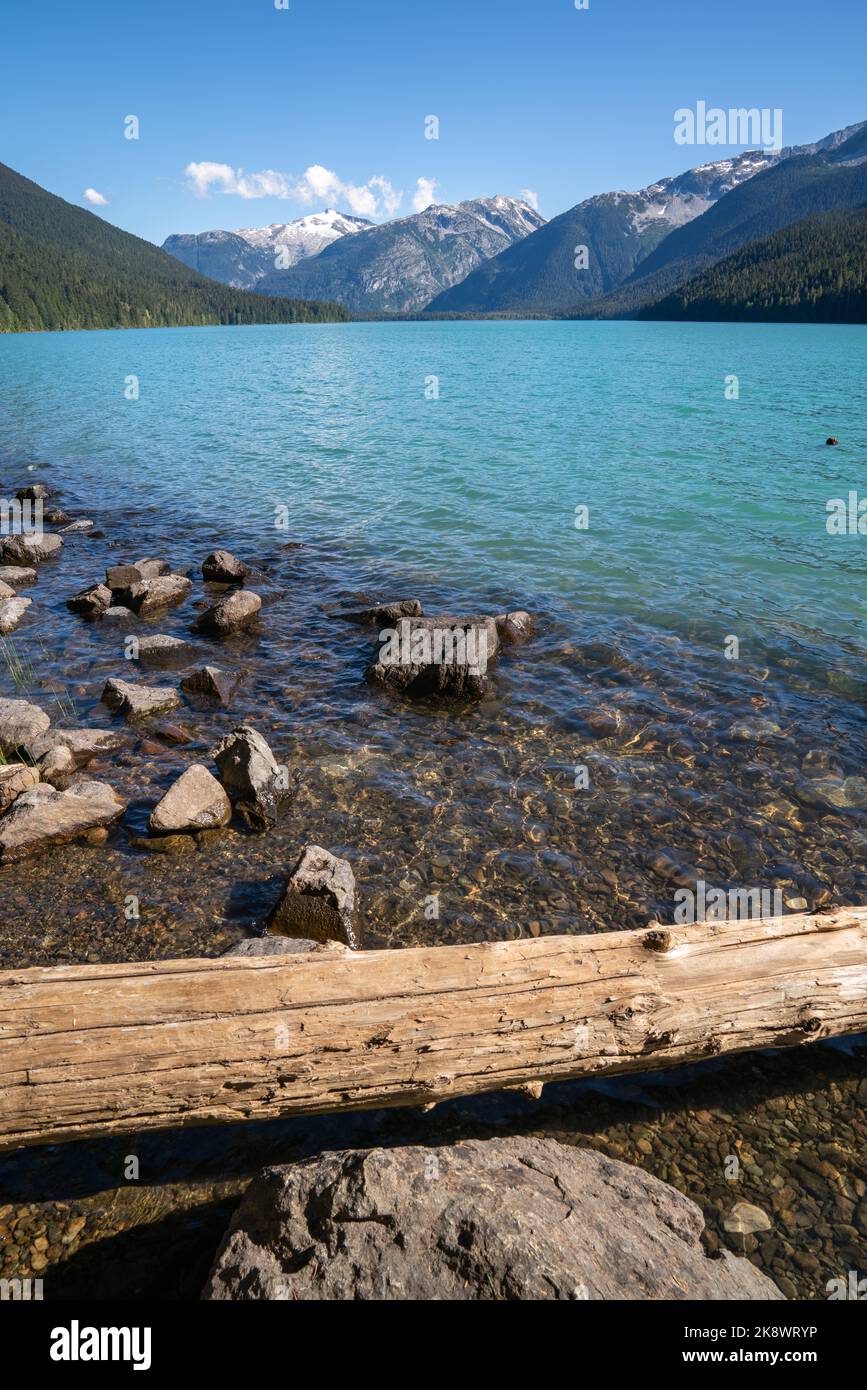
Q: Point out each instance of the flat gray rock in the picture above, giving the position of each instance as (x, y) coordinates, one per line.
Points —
(19, 576)
(43, 816)
(135, 701)
(281, 946)
(501, 1219)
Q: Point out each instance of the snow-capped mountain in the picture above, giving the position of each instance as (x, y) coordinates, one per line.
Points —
(242, 259)
(306, 236)
(399, 266)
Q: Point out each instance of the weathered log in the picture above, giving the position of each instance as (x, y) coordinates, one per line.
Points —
(115, 1049)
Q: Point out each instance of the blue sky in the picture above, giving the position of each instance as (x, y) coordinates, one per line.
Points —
(530, 95)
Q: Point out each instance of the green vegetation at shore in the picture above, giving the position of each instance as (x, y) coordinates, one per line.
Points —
(64, 268)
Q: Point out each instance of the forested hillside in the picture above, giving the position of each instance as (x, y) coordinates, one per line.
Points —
(62, 267)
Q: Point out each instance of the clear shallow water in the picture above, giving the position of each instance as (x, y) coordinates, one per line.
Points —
(707, 519)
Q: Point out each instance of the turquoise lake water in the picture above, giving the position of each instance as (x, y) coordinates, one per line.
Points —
(705, 513)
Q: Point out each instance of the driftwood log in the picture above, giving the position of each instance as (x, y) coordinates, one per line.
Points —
(116, 1049)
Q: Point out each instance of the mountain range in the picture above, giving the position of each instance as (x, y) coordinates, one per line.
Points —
(764, 233)
(244, 258)
(613, 255)
(397, 267)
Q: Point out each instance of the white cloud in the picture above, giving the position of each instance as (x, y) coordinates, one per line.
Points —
(424, 194)
(317, 184)
(95, 199)
(530, 197)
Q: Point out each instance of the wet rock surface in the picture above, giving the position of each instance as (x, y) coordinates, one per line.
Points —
(233, 612)
(137, 701)
(12, 610)
(320, 900)
(250, 773)
(509, 1219)
(42, 816)
(28, 550)
(436, 658)
(196, 801)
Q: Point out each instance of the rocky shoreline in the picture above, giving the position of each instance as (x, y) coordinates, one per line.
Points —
(162, 768)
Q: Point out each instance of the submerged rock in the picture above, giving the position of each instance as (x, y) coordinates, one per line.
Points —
(34, 492)
(384, 614)
(43, 816)
(436, 657)
(250, 774)
(210, 681)
(135, 700)
(21, 723)
(152, 595)
(29, 550)
(92, 602)
(237, 610)
(77, 527)
(160, 649)
(514, 627)
(222, 567)
(320, 901)
(15, 778)
(12, 610)
(196, 801)
(497, 1219)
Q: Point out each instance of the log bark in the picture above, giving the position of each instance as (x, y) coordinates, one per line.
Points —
(116, 1049)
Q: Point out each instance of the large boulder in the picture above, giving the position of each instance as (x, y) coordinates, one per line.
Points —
(29, 550)
(250, 774)
(196, 801)
(43, 816)
(12, 610)
(443, 657)
(136, 701)
(21, 723)
(320, 901)
(233, 612)
(502, 1219)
